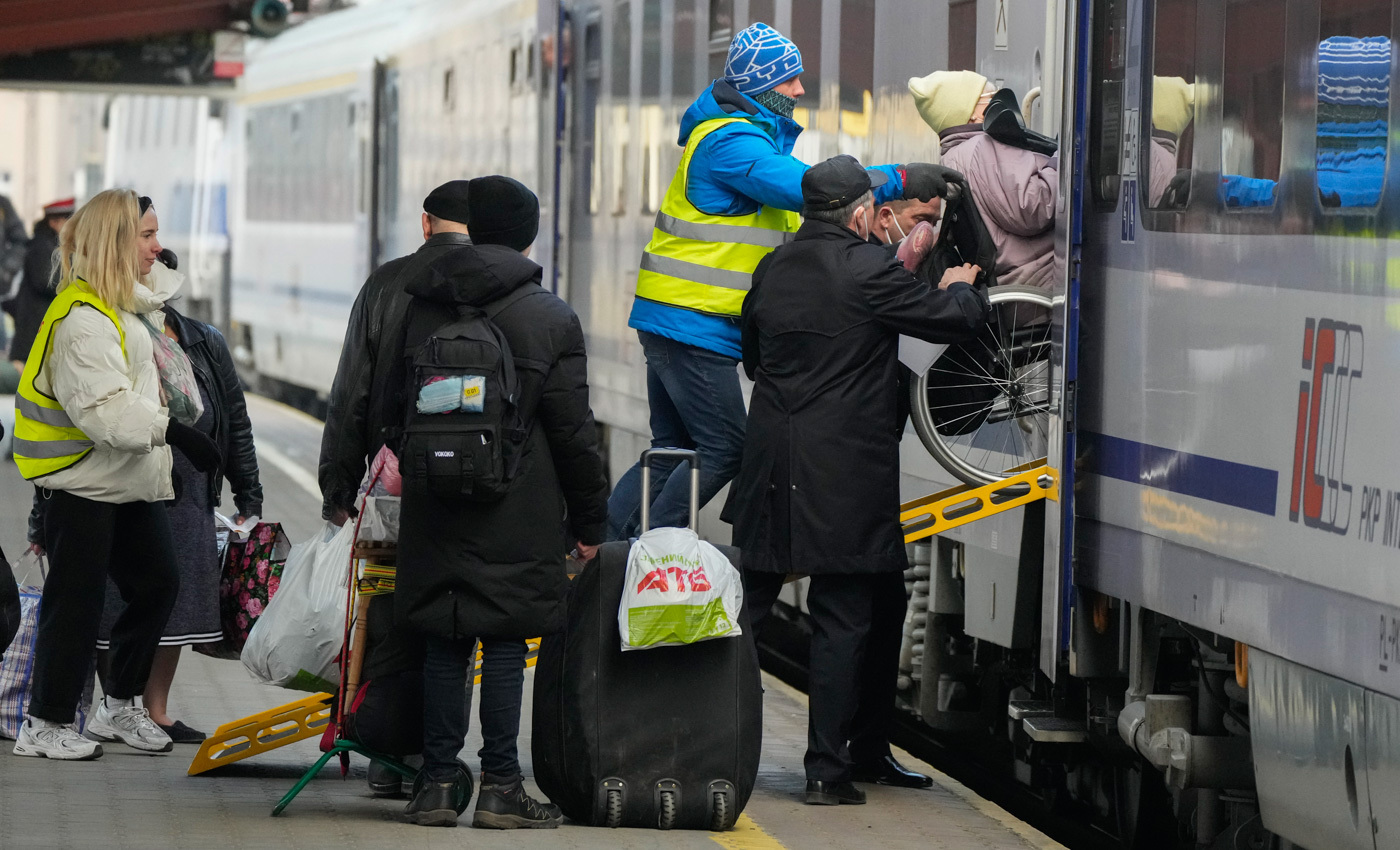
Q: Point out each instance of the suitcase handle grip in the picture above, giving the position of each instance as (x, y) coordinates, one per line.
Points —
(680, 454)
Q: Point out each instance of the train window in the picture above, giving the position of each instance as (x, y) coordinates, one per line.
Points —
(762, 11)
(1353, 102)
(684, 33)
(1106, 98)
(807, 35)
(857, 64)
(622, 51)
(449, 86)
(1171, 132)
(721, 31)
(962, 35)
(651, 49)
(1251, 136)
(514, 65)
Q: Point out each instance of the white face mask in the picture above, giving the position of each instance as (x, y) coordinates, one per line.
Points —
(902, 234)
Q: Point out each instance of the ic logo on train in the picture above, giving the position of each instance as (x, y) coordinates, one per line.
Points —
(1333, 353)
(1333, 356)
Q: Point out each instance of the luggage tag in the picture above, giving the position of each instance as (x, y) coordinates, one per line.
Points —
(474, 394)
(440, 395)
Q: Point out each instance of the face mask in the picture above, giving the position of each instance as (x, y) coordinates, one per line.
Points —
(902, 234)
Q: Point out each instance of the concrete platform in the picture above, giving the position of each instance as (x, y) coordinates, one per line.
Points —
(143, 802)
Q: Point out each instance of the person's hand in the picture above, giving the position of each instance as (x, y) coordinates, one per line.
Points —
(339, 516)
(201, 451)
(966, 273)
(924, 181)
(36, 549)
(19, 365)
(586, 553)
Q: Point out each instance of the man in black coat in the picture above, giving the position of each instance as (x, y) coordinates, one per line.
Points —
(494, 571)
(818, 489)
(36, 288)
(357, 417)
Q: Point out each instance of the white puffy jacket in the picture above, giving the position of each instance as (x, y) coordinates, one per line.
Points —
(114, 400)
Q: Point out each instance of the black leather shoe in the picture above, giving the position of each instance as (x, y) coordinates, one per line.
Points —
(386, 782)
(888, 771)
(833, 794)
(503, 804)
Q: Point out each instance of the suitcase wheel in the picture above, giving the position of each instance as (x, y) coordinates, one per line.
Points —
(613, 813)
(666, 812)
(722, 808)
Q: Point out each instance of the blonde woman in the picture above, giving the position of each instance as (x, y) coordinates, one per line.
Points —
(93, 436)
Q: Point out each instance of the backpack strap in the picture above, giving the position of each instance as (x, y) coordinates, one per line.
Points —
(492, 310)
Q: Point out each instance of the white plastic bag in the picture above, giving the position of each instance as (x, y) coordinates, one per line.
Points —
(296, 642)
(678, 589)
(380, 520)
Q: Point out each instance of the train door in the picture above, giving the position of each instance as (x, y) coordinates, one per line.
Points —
(1070, 52)
(382, 199)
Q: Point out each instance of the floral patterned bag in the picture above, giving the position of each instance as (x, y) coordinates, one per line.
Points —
(251, 573)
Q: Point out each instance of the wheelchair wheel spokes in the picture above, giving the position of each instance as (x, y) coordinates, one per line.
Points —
(984, 407)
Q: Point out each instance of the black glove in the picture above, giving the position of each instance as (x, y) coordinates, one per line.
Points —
(168, 258)
(924, 181)
(198, 448)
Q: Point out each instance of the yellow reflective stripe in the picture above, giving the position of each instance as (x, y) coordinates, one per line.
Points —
(54, 416)
(671, 267)
(689, 295)
(740, 234)
(50, 449)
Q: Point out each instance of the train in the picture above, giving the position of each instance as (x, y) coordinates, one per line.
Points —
(1196, 641)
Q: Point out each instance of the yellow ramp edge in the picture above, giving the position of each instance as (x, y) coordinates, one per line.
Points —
(948, 509)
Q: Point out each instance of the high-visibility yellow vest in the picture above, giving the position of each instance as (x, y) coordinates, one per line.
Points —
(703, 262)
(46, 440)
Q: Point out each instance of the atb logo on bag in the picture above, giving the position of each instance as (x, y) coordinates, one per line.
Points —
(661, 578)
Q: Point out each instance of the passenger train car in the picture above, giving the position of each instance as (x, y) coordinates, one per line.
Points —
(1198, 641)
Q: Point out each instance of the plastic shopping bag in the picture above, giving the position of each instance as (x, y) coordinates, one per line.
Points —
(17, 664)
(179, 392)
(296, 642)
(678, 589)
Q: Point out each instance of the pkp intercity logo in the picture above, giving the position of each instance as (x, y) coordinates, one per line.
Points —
(1333, 352)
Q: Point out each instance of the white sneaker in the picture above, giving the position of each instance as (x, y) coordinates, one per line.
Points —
(55, 742)
(132, 725)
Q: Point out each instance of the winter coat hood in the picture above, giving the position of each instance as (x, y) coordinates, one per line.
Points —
(475, 275)
(721, 100)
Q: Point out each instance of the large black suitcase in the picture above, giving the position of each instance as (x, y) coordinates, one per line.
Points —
(667, 737)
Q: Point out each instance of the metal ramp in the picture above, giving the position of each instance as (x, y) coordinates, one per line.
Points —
(948, 509)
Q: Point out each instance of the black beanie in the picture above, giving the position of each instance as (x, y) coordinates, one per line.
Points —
(449, 202)
(502, 211)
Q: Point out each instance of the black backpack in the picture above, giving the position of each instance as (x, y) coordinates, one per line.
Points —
(464, 430)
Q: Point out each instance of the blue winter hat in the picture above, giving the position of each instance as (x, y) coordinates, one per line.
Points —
(760, 58)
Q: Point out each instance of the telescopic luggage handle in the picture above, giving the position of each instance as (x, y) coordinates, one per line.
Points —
(679, 454)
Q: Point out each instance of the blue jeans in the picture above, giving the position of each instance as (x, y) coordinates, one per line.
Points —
(445, 709)
(695, 404)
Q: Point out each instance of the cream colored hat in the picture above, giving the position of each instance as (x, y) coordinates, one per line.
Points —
(1173, 104)
(947, 98)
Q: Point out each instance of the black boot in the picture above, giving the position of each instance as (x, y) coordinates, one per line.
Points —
(438, 803)
(503, 804)
(833, 794)
(385, 782)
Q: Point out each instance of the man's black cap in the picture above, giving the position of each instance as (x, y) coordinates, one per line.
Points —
(449, 202)
(503, 212)
(838, 181)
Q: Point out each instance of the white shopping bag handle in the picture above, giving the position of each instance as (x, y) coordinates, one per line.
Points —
(680, 454)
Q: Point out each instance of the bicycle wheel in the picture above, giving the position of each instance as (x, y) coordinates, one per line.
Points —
(984, 406)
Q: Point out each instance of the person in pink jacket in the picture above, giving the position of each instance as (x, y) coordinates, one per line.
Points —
(1016, 190)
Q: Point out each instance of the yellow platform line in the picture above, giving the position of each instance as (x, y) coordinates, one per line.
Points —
(747, 835)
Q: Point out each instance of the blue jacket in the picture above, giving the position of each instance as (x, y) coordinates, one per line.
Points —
(735, 170)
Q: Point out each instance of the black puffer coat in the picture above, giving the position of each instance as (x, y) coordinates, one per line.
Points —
(818, 488)
(36, 291)
(497, 569)
(358, 414)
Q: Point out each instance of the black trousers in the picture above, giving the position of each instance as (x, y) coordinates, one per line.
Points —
(857, 625)
(86, 542)
(9, 603)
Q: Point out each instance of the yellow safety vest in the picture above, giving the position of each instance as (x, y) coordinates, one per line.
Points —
(46, 439)
(703, 262)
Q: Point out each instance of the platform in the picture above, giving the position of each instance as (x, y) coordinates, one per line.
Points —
(130, 800)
